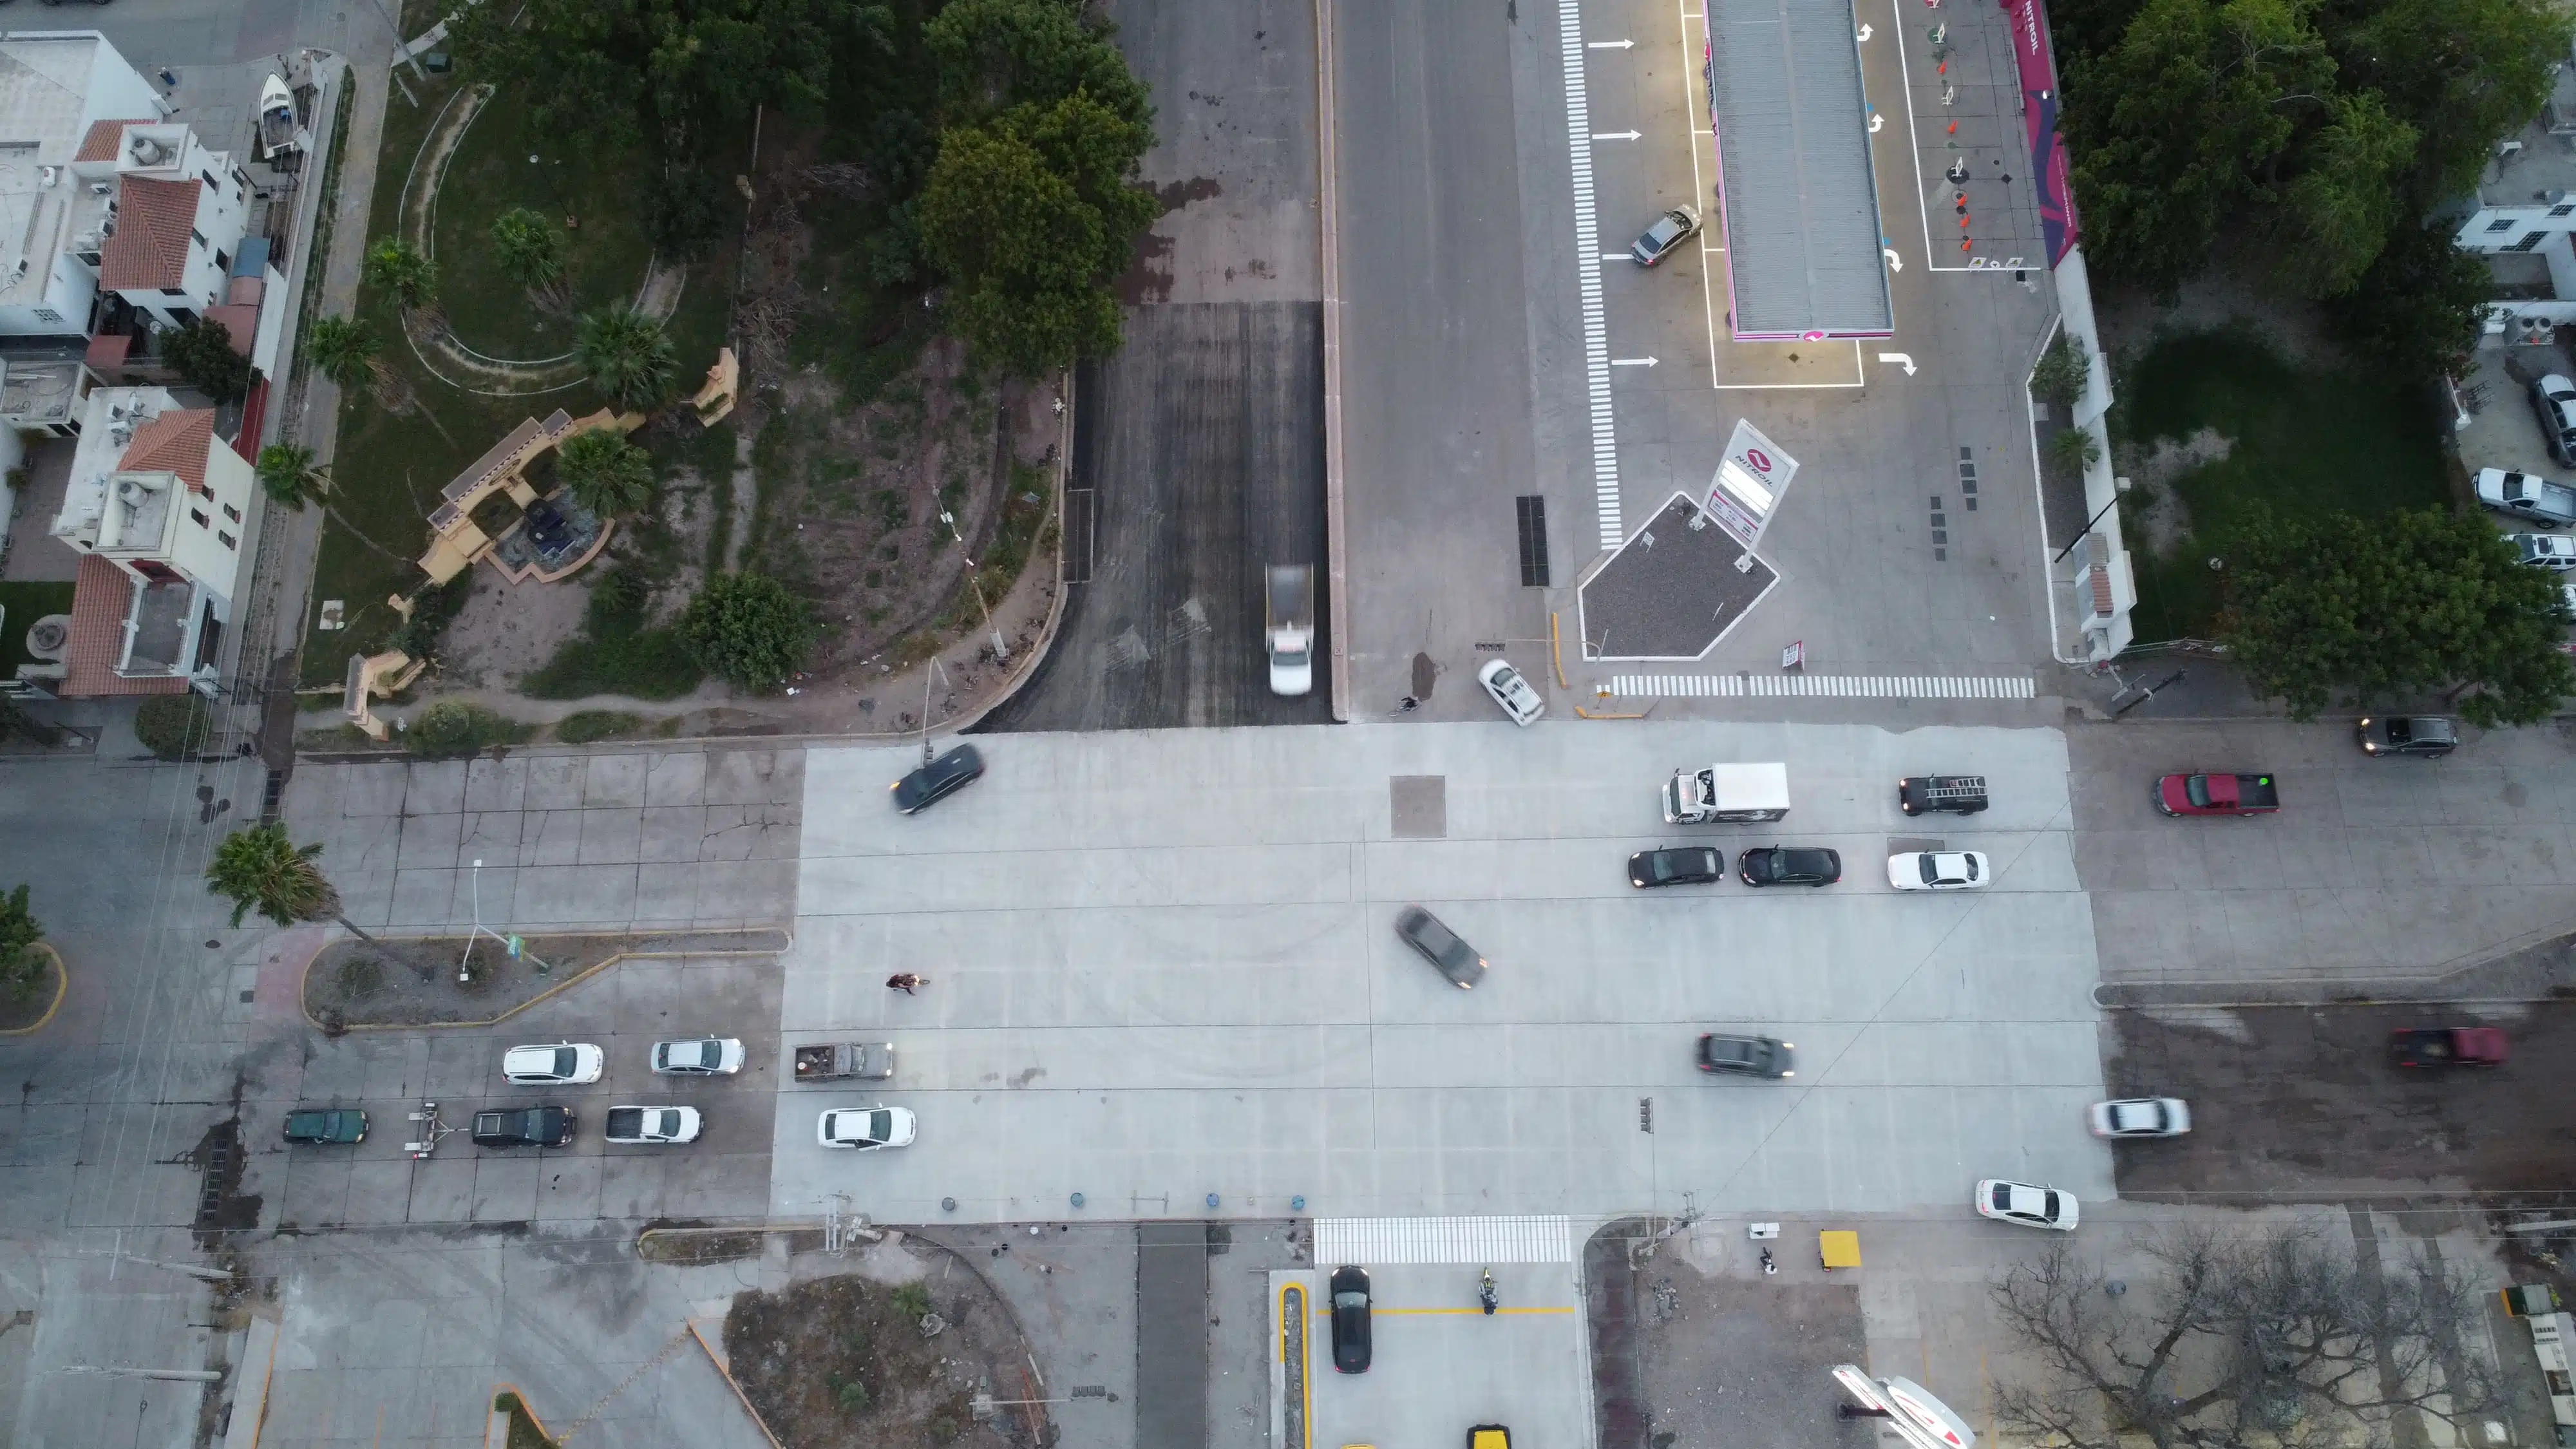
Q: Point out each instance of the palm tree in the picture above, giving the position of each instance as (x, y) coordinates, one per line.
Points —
(607, 474)
(628, 356)
(530, 249)
(398, 266)
(261, 868)
(290, 477)
(344, 348)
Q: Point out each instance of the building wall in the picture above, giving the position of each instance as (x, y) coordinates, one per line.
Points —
(117, 89)
(2516, 228)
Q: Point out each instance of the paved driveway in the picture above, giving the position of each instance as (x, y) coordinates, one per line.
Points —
(1160, 967)
(1440, 1365)
(2372, 868)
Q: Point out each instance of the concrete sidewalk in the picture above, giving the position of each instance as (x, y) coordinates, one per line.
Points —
(567, 840)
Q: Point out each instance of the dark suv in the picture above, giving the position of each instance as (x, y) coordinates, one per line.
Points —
(938, 780)
(1941, 794)
(1724, 1053)
(2428, 735)
(524, 1127)
(1807, 865)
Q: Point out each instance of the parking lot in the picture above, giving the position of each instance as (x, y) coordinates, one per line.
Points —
(1160, 968)
(1440, 1365)
(2303, 1102)
(624, 1010)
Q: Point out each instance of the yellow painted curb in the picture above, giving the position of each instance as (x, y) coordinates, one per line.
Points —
(548, 994)
(730, 1382)
(62, 984)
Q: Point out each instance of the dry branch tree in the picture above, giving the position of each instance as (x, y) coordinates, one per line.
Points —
(2282, 1339)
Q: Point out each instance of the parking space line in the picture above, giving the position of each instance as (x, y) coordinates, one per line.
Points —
(1824, 686)
(1587, 251)
(1690, 108)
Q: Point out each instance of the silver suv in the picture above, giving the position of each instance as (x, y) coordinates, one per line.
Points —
(2554, 399)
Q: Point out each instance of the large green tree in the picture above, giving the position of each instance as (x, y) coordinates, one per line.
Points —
(605, 473)
(994, 54)
(664, 69)
(748, 628)
(628, 356)
(530, 248)
(1031, 215)
(2401, 604)
(202, 352)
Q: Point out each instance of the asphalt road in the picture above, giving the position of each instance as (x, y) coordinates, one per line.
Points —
(2302, 1103)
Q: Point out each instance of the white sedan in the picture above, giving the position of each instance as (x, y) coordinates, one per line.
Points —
(1939, 870)
(705, 1056)
(2141, 1117)
(2031, 1207)
(865, 1128)
(562, 1063)
(1511, 691)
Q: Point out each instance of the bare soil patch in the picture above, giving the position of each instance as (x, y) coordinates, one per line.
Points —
(413, 981)
(2164, 518)
(843, 1360)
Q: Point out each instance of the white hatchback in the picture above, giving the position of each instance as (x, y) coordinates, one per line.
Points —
(705, 1056)
(564, 1062)
(1512, 691)
(2140, 1117)
(865, 1128)
(2032, 1207)
(1939, 870)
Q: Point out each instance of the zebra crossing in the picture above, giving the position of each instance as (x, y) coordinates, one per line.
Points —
(1823, 686)
(1587, 263)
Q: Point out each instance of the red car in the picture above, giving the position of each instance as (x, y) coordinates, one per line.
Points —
(2449, 1046)
(2217, 795)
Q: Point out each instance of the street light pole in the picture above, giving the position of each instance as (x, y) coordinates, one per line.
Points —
(999, 652)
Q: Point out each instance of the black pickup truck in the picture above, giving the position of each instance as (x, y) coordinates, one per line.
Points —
(524, 1127)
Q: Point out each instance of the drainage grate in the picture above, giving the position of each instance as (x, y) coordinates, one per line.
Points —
(1645, 1114)
(1533, 514)
(1079, 533)
(269, 797)
(1968, 475)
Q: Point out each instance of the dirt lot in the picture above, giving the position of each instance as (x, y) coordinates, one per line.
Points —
(1683, 1356)
(843, 1360)
(2302, 1103)
(412, 981)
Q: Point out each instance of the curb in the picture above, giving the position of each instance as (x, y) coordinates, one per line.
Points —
(1328, 200)
(62, 985)
(304, 979)
(717, 1360)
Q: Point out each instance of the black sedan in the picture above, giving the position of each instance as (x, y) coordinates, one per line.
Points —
(1676, 865)
(1724, 1053)
(1807, 865)
(1350, 1290)
(938, 780)
(1441, 947)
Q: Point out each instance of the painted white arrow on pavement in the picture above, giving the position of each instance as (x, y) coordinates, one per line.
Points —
(1632, 362)
(1610, 45)
(1875, 121)
(1899, 357)
(1895, 263)
(1864, 34)
(1615, 135)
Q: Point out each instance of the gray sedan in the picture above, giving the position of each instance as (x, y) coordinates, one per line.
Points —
(1441, 947)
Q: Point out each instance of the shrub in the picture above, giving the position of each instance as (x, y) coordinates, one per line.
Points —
(22, 970)
(2061, 374)
(453, 728)
(202, 352)
(748, 628)
(911, 1300)
(620, 652)
(361, 977)
(583, 726)
(432, 610)
(529, 248)
(2074, 450)
(628, 357)
(174, 726)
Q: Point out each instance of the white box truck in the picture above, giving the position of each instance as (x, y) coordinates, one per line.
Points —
(1288, 627)
(1718, 793)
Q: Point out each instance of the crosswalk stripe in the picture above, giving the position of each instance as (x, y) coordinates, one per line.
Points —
(1825, 686)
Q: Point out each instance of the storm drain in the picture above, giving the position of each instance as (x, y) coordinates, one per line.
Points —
(1080, 531)
(1968, 475)
(1533, 516)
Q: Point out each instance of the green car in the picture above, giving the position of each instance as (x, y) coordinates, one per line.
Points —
(330, 1126)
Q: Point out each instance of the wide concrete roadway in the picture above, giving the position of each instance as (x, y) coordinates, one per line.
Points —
(1161, 966)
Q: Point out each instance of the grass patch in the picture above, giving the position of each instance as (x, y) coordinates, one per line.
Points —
(584, 726)
(595, 196)
(2307, 440)
(452, 729)
(620, 651)
(21, 605)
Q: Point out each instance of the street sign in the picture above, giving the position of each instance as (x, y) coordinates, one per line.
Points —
(1795, 656)
(1748, 485)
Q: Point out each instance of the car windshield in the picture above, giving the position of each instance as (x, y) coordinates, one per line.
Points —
(667, 1122)
(2003, 1197)
(1350, 1300)
(1969, 862)
(880, 1125)
(1931, 875)
(2196, 790)
(567, 1061)
(2048, 1205)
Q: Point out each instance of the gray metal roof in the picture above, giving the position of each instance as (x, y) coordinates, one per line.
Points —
(1800, 202)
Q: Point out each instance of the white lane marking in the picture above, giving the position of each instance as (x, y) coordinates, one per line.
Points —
(1610, 45)
(1587, 252)
(1632, 362)
(1902, 359)
(1823, 686)
(1617, 135)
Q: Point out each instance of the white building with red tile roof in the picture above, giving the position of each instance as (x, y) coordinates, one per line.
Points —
(56, 90)
(155, 504)
(180, 210)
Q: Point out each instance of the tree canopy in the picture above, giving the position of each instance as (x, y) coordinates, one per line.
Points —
(2406, 603)
(607, 474)
(1031, 214)
(530, 248)
(202, 352)
(748, 628)
(2324, 128)
(994, 54)
(663, 68)
(261, 868)
(628, 356)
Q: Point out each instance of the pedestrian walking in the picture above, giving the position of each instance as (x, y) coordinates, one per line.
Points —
(904, 981)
